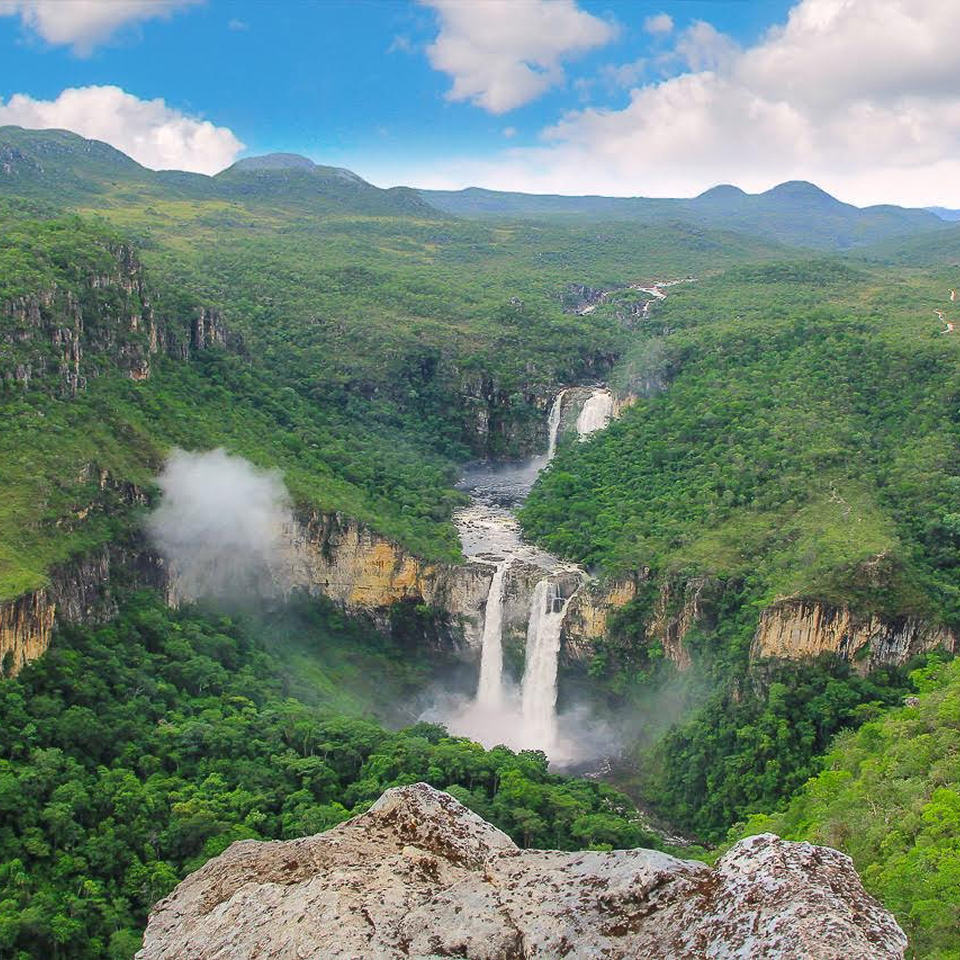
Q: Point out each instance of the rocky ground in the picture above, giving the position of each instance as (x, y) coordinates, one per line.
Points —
(420, 876)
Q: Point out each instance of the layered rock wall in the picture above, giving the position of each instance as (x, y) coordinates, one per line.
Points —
(63, 335)
(83, 590)
(352, 565)
(798, 629)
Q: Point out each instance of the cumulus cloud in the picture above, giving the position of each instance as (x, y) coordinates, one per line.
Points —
(659, 23)
(83, 24)
(502, 54)
(154, 134)
(222, 524)
(861, 96)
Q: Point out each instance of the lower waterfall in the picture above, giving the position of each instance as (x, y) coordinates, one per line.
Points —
(539, 687)
(490, 685)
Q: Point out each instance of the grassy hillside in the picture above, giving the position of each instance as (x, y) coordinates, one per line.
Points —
(806, 442)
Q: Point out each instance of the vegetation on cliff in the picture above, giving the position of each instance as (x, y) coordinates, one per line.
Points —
(807, 443)
(889, 795)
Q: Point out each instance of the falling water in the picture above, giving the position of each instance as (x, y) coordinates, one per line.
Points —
(490, 687)
(539, 687)
(553, 423)
(595, 414)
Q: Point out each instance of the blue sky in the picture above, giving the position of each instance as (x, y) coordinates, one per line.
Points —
(658, 98)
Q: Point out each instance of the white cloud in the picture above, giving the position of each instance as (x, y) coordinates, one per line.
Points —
(154, 134)
(702, 47)
(502, 54)
(659, 23)
(83, 24)
(860, 96)
(619, 76)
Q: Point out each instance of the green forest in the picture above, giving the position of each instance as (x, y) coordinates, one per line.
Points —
(134, 752)
(788, 428)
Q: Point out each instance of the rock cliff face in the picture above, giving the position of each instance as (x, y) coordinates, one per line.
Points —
(63, 335)
(328, 555)
(677, 608)
(80, 591)
(795, 629)
(347, 562)
(420, 876)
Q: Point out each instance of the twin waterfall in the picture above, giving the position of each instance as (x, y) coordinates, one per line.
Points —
(539, 688)
(490, 687)
(524, 717)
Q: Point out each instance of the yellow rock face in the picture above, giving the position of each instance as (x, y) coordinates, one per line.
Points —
(26, 625)
(800, 629)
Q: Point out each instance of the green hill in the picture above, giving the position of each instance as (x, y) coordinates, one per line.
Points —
(889, 795)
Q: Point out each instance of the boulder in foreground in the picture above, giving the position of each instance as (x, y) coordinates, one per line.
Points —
(421, 876)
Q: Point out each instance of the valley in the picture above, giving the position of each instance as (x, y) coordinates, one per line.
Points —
(661, 492)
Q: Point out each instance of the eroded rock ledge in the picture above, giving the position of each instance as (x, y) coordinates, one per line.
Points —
(420, 876)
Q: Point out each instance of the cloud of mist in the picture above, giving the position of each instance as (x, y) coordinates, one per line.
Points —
(581, 736)
(222, 524)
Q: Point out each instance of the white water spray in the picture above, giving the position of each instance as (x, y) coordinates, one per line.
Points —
(539, 687)
(490, 686)
(553, 424)
(596, 413)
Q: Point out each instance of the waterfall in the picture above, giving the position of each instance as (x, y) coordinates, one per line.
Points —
(490, 687)
(539, 687)
(553, 424)
(595, 414)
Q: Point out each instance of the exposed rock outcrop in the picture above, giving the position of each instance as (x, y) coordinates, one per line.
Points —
(677, 609)
(63, 335)
(797, 629)
(420, 876)
(588, 615)
(347, 562)
(82, 590)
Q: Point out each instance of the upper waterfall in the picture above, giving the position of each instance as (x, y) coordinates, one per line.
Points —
(596, 413)
(553, 424)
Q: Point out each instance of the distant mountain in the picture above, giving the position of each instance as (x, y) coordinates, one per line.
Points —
(63, 167)
(796, 213)
(288, 177)
(45, 162)
(944, 213)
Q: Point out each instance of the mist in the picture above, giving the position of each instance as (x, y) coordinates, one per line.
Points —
(221, 525)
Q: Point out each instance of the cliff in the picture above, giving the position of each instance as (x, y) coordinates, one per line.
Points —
(79, 327)
(676, 609)
(326, 554)
(421, 876)
(795, 629)
(83, 590)
(341, 559)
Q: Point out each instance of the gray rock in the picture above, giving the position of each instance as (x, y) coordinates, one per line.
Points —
(420, 876)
